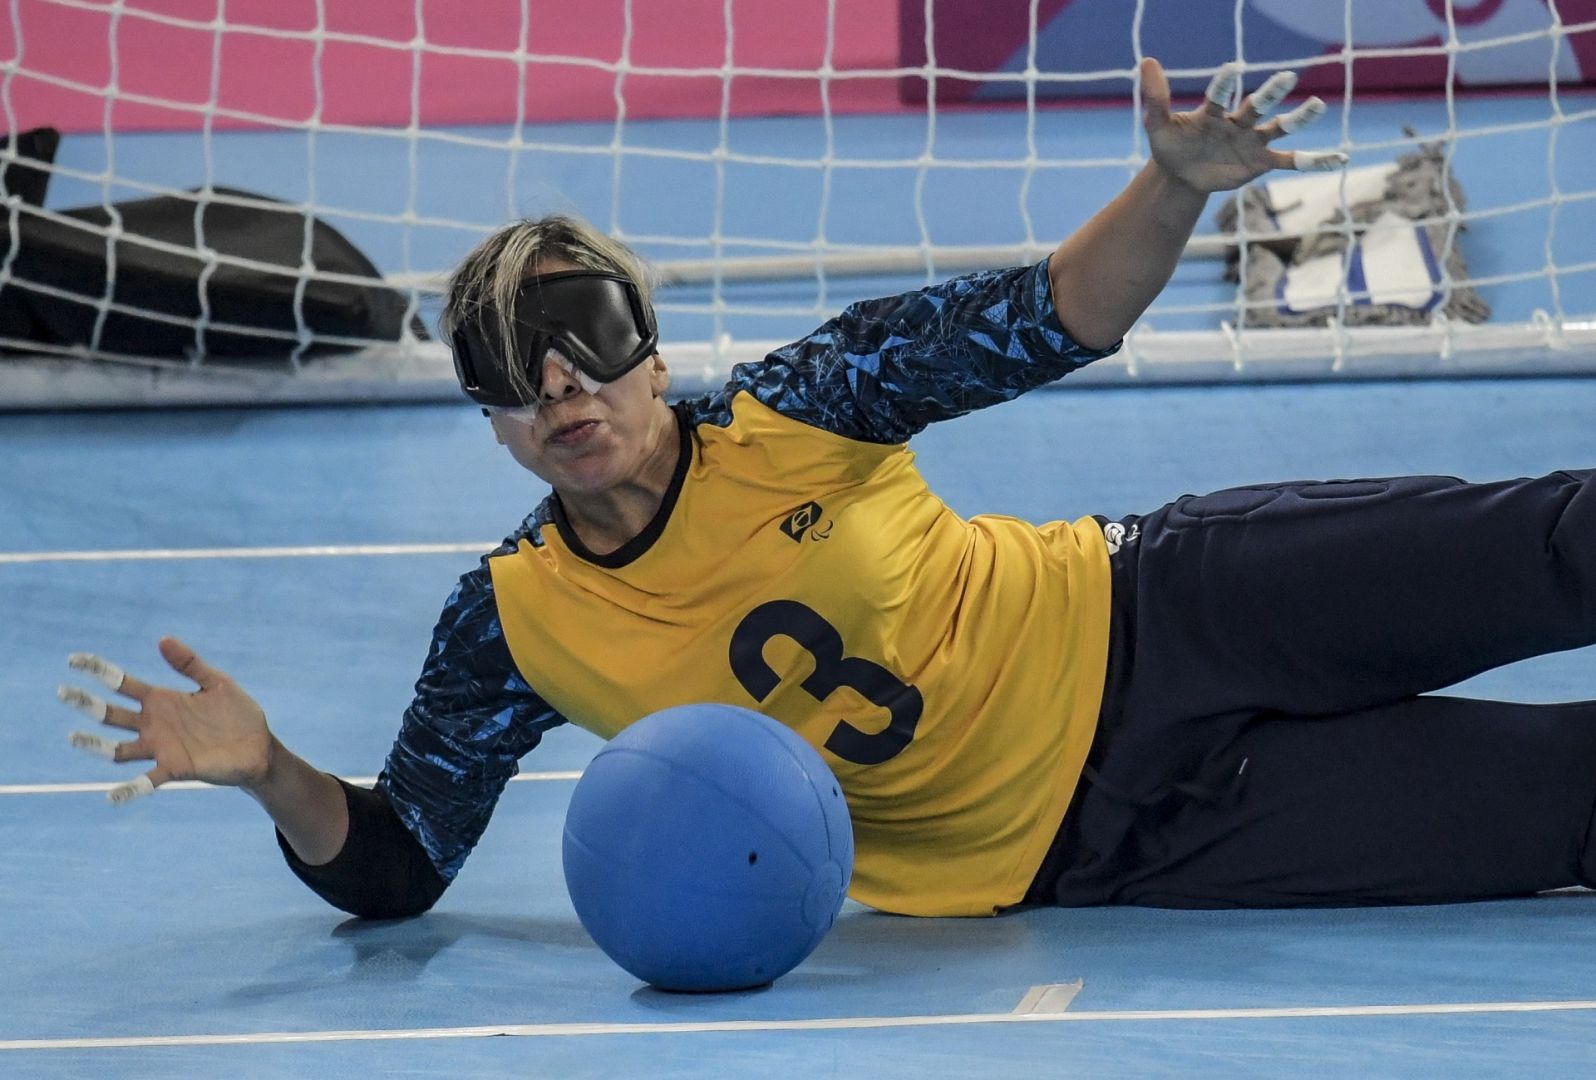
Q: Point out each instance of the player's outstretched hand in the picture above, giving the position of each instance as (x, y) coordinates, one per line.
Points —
(1214, 148)
(217, 734)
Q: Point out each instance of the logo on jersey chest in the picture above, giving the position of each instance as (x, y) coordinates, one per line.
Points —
(807, 522)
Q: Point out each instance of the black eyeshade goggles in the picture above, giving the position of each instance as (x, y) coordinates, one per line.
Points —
(596, 320)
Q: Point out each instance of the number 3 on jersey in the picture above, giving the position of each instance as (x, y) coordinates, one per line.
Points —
(833, 670)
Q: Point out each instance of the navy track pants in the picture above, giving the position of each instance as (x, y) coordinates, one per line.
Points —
(1263, 739)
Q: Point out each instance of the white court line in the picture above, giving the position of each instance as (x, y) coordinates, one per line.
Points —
(826, 1024)
(196, 785)
(311, 551)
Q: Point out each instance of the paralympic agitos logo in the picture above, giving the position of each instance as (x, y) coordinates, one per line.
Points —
(806, 520)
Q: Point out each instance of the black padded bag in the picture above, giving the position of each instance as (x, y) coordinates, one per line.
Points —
(73, 260)
(167, 281)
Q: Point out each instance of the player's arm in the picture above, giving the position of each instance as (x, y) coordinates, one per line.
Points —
(378, 870)
(472, 718)
(885, 368)
(1105, 274)
(377, 853)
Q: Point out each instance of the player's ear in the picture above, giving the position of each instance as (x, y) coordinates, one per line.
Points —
(659, 376)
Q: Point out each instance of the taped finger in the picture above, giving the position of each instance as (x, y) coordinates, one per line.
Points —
(99, 745)
(1317, 161)
(99, 708)
(1222, 88)
(83, 701)
(136, 788)
(106, 673)
(1302, 115)
(1263, 100)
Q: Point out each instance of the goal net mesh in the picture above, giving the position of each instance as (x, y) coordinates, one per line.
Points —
(773, 161)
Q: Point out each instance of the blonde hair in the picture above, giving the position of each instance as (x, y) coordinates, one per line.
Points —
(487, 279)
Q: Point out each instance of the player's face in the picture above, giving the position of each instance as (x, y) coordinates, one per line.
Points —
(585, 443)
(588, 443)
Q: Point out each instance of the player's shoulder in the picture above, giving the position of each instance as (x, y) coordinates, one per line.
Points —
(788, 391)
(529, 531)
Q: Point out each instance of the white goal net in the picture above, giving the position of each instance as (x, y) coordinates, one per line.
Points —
(774, 161)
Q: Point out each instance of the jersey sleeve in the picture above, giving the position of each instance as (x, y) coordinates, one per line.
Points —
(885, 368)
(471, 720)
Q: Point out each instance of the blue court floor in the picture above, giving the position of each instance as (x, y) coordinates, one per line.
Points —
(168, 939)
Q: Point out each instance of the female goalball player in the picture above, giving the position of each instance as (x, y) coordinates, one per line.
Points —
(1216, 703)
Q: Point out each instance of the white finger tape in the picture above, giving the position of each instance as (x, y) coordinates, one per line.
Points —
(98, 745)
(109, 675)
(136, 788)
(1317, 161)
(1302, 115)
(83, 701)
(1272, 92)
(1222, 87)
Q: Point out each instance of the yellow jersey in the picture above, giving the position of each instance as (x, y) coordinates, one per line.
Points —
(949, 670)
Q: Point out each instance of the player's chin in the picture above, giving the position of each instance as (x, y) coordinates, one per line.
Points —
(591, 473)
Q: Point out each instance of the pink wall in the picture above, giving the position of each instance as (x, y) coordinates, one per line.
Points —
(1502, 42)
(369, 83)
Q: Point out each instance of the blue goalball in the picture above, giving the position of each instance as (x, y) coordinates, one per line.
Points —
(707, 847)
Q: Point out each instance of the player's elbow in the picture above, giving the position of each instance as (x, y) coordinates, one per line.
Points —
(390, 905)
(403, 892)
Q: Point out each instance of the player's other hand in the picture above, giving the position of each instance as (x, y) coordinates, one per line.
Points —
(1215, 148)
(217, 733)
